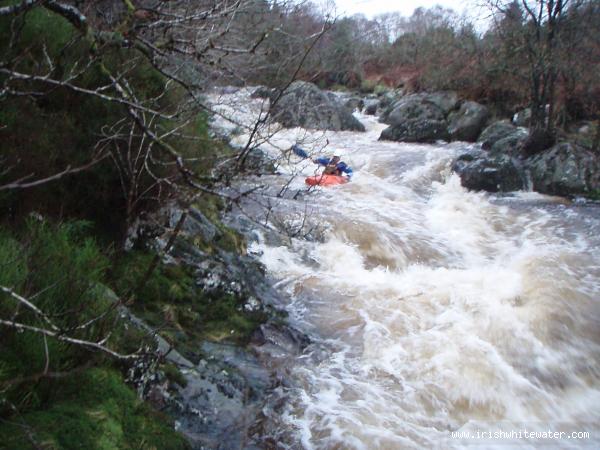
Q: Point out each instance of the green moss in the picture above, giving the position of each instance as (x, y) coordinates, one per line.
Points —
(92, 410)
(227, 239)
(185, 314)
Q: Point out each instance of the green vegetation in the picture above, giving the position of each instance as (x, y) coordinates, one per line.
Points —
(185, 314)
(370, 86)
(67, 396)
(92, 409)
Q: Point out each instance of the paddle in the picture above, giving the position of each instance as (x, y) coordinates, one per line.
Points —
(300, 152)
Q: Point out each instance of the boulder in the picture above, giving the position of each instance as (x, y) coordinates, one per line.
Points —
(466, 123)
(491, 173)
(446, 101)
(416, 130)
(565, 169)
(353, 103)
(510, 145)
(388, 101)
(371, 106)
(495, 132)
(411, 107)
(262, 92)
(305, 105)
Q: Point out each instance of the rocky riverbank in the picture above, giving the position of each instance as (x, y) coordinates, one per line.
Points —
(221, 343)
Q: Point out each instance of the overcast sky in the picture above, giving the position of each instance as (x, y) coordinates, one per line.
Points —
(372, 8)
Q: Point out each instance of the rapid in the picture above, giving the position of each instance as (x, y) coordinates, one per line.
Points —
(431, 310)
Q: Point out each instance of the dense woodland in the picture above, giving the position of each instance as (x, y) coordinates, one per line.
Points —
(103, 120)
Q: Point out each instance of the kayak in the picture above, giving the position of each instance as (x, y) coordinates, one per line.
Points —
(325, 180)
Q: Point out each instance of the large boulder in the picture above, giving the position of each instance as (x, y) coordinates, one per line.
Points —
(512, 144)
(388, 98)
(434, 106)
(565, 169)
(413, 107)
(491, 173)
(447, 101)
(495, 132)
(305, 105)
(416, 130)
(466, 123)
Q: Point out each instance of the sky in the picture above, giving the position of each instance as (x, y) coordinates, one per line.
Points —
(371, 8)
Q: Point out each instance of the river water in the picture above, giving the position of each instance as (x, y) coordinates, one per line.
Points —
(432, 310)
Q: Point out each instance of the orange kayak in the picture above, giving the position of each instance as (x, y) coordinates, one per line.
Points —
(325, 180)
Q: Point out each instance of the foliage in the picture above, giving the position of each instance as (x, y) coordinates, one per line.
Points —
(51, 396)
(93, 409)
(186, 314)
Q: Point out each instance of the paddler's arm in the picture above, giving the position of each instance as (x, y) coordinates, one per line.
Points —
(322, 161)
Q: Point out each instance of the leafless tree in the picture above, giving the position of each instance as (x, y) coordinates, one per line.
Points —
(536, 29)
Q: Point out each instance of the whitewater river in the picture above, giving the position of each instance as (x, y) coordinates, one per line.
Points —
(432, 310)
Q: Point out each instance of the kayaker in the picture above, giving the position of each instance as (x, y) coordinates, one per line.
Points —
(333, 166)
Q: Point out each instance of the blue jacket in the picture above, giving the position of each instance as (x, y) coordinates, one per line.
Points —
(341, 166)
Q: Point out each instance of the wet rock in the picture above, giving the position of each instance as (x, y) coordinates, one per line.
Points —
(195, 223)
(491, 173)
(259, 162)
(387, 99)
(371, 107)
(419, 130)
(277, 341)
(263, 92)
(222, 397)
(510, 145)
(466, 123)
(414, 107)
(495, 132)
(354, 103)
(223, 387)
(305, 105)
(446, 101)
(565, 169)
